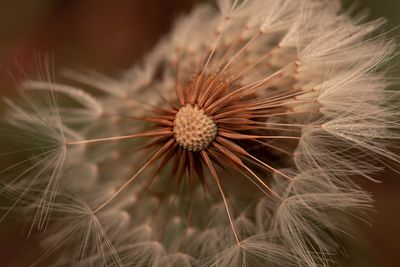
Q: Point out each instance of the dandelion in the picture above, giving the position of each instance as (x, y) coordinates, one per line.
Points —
(234, 142)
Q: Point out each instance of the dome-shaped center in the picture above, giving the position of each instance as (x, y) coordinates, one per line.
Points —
(193, 129)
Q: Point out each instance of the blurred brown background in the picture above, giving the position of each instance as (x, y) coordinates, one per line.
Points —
(109, 36)
(101, 34)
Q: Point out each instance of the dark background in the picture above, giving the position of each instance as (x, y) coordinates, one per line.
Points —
(109, 36)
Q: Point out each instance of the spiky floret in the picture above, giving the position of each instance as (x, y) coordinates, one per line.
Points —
(229, 146)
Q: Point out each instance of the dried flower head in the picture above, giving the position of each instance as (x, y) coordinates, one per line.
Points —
(233, 143)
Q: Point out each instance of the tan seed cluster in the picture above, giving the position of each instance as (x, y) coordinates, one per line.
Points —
(193, 129)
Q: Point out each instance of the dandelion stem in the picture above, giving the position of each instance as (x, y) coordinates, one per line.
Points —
(164, 132)
(228, 152)
(217, 181)
(261, 181)
(248, 136)
(269, 167)
(151, 160)
(244, 47)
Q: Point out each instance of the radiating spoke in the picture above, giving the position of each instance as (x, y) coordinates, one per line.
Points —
(218, 182)
(163, 132)
(150, 161)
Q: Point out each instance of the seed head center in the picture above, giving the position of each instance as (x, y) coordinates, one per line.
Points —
(193, 129)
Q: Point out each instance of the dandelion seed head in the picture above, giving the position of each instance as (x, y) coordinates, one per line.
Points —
(257, 117)
(193, 129)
